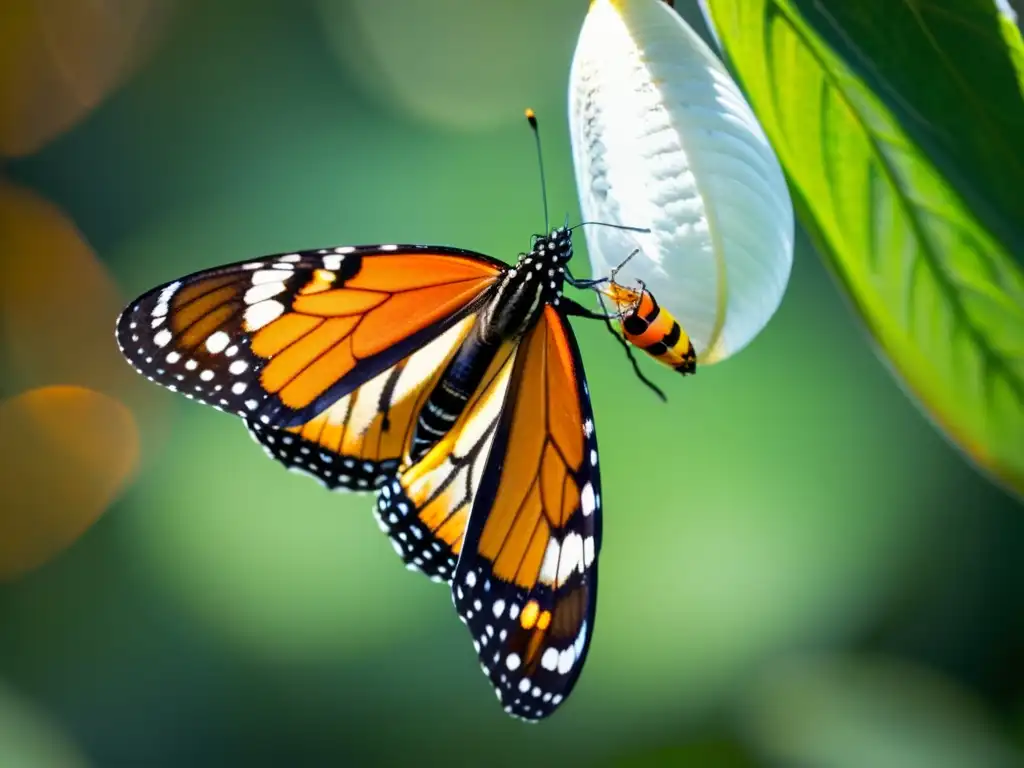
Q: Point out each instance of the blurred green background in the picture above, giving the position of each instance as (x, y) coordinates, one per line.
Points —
(797, 569)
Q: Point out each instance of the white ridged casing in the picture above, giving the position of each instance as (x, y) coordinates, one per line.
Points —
(663, 138)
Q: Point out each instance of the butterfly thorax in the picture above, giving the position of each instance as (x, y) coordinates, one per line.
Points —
(535, 281)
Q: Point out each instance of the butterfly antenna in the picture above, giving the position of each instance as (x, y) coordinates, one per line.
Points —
(531, 118)
(629, 352)
(644, 230)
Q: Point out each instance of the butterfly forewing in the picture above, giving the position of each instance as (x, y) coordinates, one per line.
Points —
(289, 341)
(526, 580)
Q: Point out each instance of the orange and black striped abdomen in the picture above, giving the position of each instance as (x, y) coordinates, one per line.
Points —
(654, 330)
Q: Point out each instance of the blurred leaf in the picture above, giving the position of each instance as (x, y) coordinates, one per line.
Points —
(30, 739)
(841, 712)
(421, 62)
(941, 293)
(706, 753)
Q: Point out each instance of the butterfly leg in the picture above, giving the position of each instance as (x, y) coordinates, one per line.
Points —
(576, 282)
(624, 262)
(578, 310)
(572, 308)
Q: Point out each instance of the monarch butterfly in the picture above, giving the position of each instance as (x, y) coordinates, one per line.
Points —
(448, 381)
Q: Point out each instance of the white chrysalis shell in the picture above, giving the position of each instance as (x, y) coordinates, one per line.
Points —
(662, 138)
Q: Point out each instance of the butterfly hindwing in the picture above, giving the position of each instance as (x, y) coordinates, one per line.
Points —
(526, 580)
(358, 442)
(425, 509)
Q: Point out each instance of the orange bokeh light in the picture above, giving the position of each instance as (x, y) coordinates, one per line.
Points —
(65, 454)
(60, 58)
(58, 303)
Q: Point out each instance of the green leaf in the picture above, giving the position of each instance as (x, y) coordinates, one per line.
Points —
(1015, 46)
(945, 73)
(939, 289)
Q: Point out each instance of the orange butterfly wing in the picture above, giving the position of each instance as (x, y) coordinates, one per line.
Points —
(526, 580)
(359, 441)
(424, 510)
(288, 341)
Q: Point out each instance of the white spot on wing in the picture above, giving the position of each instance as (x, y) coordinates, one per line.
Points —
(266, 276)
(581, 638)
(164, 299)
(587, 501)
(571, 559)
(258, 293)
(259, 315)
(364, 410)
(549, 568)
(217, 342)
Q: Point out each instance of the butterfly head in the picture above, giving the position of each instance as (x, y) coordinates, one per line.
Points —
(555, 247)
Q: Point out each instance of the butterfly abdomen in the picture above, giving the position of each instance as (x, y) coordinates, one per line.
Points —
(448, 399)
